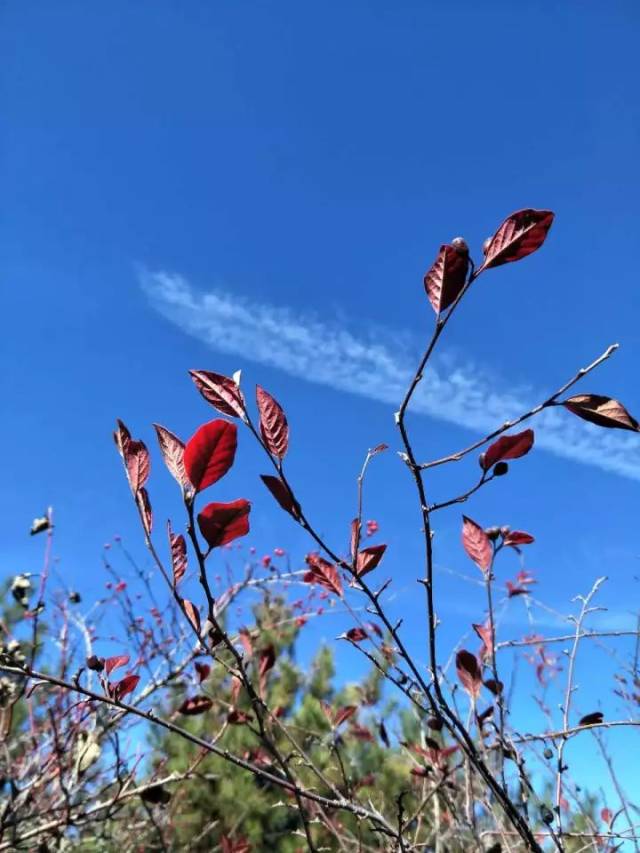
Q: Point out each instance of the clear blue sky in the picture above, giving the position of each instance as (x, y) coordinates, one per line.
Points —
(262, 185)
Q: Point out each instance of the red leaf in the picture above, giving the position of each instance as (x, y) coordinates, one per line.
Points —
(507, 447)
(602, 411)
(137, 463)
(144, 504)
(210, 453)
(203, 670)
(221, 391)
(266, 660)
(476, 543)
(178, 554)
(344, 713)
(606, 815)
(519, 235)
(496, 687)
(485, 634)
(115, 662)
(273, 423)
(356, 532)
(172, 449)
(469, 673)
(195, 705)
(238, 846)
(446, 278)
(245, 639)
(369, 558)
(357, 635)
(192, 613)
(516, 538)
(593, 719)
(361, 733)
(222, 523)
(122, 437)
(282, 494)
(125, 686)
(323, 573)
(515, 590)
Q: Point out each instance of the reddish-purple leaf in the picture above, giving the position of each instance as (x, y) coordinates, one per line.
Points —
(356, 635)
(593, 719)
(361, 733)
(172, 449)
(324, 573)
(486, 635)
(519, 235)
(240, 845)
(266, 660)
(122, 437)
(115, 662)
(137, 463)
(482, 719)
(273, 423)
(446, 278)
(245, 639)
(343, 714)
(507, 447)
(369, 558)
(476, 543)
(356, 532)
(606, 815)
(203, 670)
(146, 513)
(195, 705)
(513, 591)
(221, 391)
(222, 523)
(515, 538)
(602, 411)
(496, 687)
(192, 613)
(282, 494)
(469, 674)
(210, 453)
(178, 547)
(125, 686)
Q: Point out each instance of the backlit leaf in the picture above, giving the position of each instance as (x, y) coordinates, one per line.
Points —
(476, 543)
(515, 538)
(195, 705)
(602, 411)
(469, 674)
(137, 463)
(210, 453)
(115, 662)
(221, 391)
(192, 613)
(282, 494)
(178, 547)
(519, 235)
(221, 523)
(369, 558)
(273, 423)
(125, 686)
(446, 278)
(172, 449)
(507, 447)
(324, 573)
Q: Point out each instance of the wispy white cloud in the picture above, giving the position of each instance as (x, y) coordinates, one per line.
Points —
(375, 364)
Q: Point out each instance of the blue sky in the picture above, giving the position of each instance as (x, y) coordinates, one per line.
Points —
(262, 186)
